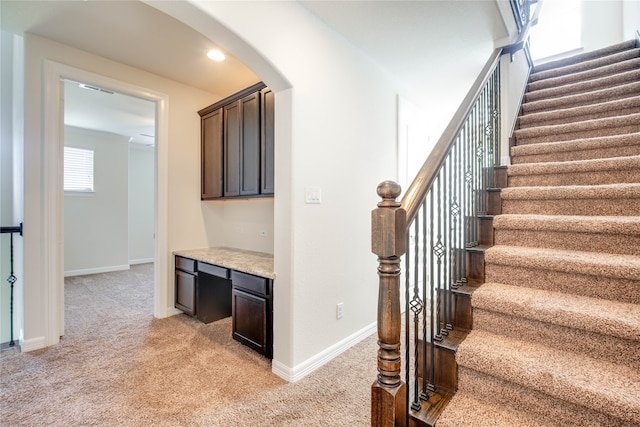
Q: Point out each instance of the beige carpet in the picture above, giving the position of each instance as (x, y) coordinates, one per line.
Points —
(556, 328)
(118, 366)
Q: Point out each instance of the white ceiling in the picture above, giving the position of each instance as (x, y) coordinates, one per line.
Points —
(132, 33)
(401, 36)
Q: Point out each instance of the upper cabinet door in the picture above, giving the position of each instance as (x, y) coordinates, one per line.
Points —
(232, 143)
(211, 155)
(250, 146)
(267, 143)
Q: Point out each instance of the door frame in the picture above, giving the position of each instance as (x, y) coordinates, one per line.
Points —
(53, 164)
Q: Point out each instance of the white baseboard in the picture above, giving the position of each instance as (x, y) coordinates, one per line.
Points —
(305, 368)
(109, 269)
(32, 344)
(172, 311)
(141, 261)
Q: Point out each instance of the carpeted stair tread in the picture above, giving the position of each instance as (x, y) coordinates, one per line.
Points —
(578, 149)
(616, 107)
(608, 199)
(583, 86)
(465, 410)
(576, 172)
(617, 266)
(607, 388)
(611, 234)
(583, 61)
(615, 350)
(599, 72)
(570, 223)
(508, 398)
(629, 123)
(599, 95)
(606, 191)
(621, 320)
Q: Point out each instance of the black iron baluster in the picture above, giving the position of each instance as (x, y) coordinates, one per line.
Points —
(12, 277)
(416, 308)
(423, 393)
(432, 347)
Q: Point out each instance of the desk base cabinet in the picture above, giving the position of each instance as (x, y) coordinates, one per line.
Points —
(186, 292)
(253, 311)
(250, 319)
(209, 293)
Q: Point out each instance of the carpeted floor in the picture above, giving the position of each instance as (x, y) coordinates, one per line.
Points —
(118, 366)
(556, 328)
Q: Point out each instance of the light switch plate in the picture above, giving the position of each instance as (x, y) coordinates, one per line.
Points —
(312, 195)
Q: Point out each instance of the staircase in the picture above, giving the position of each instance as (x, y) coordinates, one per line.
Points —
(556, 325)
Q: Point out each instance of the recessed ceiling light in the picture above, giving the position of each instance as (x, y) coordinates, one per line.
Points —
(215, 55)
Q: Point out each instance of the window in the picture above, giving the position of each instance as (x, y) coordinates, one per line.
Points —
(559, 29)
(78, 169)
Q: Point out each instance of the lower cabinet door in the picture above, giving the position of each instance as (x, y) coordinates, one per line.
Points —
(186, 292)
(250, 320)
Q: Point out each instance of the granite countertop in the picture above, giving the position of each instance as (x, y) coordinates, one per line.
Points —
(257, 263)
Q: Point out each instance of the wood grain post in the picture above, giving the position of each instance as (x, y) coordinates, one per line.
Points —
(388, 241)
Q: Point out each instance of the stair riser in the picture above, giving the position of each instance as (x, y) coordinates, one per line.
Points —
(578, 154)
(620, 207)
(569, 136)
(581, 178)
(607, 288)
(527, 124)
(612, 349)
(550, 410)
(588, 242)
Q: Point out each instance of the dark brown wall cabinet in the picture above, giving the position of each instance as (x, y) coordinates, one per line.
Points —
(238, 145)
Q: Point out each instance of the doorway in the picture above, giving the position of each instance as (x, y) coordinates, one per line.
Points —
(109, 183)
(55, 74)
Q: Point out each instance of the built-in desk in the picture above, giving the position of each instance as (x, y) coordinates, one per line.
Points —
(213, 283)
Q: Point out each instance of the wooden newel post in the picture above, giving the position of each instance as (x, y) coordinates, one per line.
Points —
(388, 241)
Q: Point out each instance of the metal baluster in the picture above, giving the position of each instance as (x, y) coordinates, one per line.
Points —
(432, 348)
(407, 330)
(444, 212)
(439, 249)
(12, 277)
(423, 393)
(416, 308)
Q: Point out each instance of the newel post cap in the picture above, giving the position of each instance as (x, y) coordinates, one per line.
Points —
(388, 222)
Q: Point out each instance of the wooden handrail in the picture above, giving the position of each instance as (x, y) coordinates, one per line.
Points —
(416, 192)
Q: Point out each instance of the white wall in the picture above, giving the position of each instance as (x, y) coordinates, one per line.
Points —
(601, 23)
(96, 224)
(141, 203)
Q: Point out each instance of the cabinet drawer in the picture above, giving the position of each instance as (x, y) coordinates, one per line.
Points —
(186, 264)
(213, 270)
(249, 282)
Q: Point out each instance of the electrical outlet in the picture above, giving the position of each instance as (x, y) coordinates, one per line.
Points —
(339, 310)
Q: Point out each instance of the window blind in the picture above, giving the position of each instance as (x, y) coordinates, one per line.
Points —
(78, 169)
